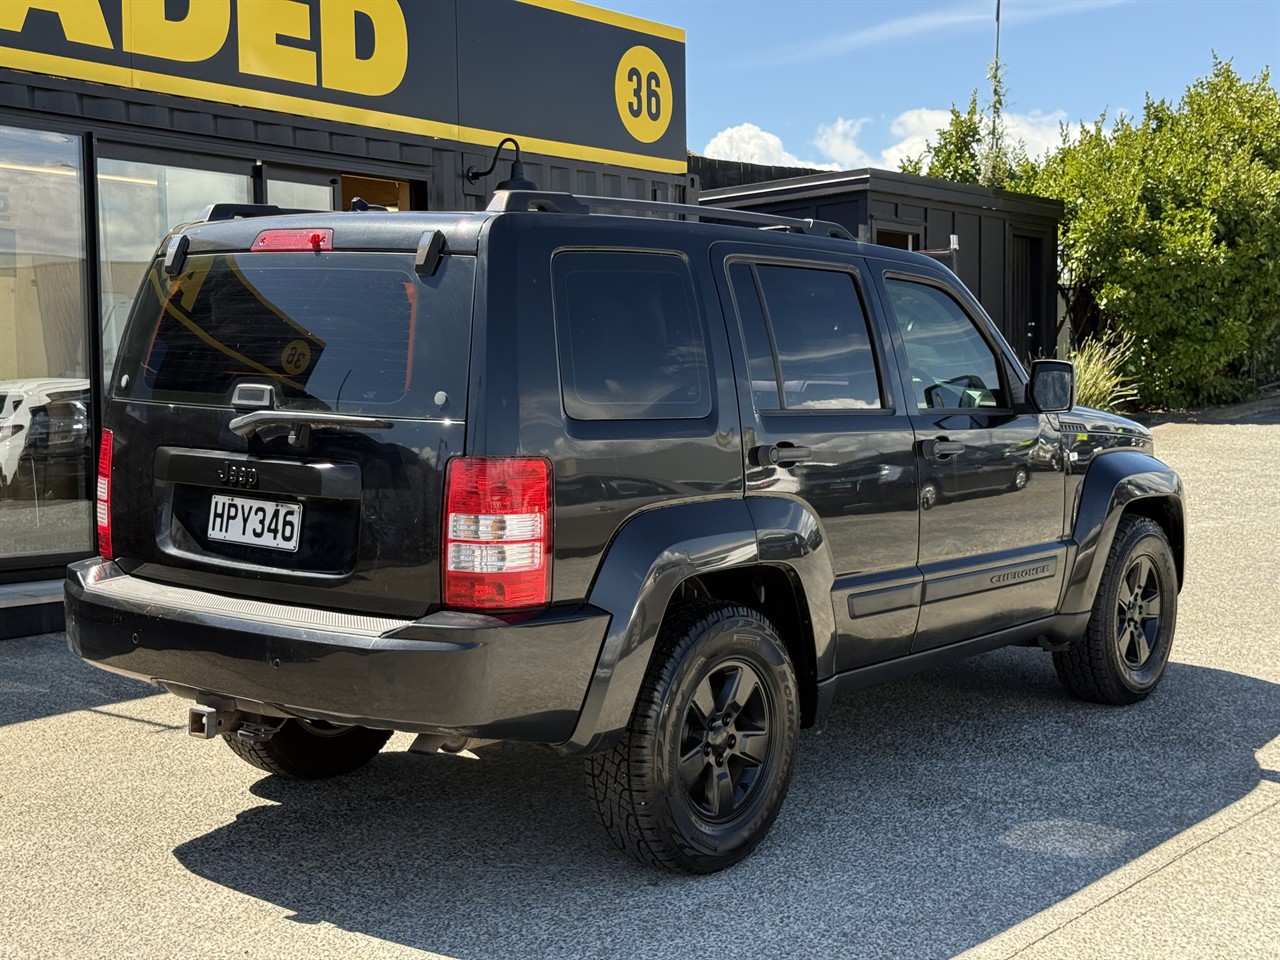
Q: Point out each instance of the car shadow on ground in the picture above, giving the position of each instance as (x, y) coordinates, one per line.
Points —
(924, 817)
(40, 677)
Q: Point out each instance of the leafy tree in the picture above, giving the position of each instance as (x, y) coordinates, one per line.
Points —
(1171, 235)
(973, 147)
(954, 155)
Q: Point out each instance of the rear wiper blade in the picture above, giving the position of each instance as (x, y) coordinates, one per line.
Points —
(296, 425)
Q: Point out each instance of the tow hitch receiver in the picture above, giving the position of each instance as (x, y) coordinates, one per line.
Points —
(205, 723)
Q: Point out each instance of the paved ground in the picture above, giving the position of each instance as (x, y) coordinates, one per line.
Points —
(971, 810)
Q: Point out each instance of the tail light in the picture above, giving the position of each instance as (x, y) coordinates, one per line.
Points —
(104, 495)
(497, 533)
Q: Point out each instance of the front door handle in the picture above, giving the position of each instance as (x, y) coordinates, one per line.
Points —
(779, 454)
(942, 447)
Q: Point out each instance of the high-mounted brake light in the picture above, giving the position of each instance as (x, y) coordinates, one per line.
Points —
(497, 533)
(284, 241)
(104, 495)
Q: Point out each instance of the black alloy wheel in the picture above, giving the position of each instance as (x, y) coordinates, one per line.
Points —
(726, 740)
(1138, 614)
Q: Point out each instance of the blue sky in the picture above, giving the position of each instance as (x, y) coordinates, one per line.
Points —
(851, 83)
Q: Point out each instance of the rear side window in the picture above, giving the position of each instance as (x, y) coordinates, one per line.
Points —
(807, 340)
(631, 341)
(348, 332)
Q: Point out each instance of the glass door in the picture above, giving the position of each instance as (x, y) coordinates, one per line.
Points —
(141, 196)
(45, 398)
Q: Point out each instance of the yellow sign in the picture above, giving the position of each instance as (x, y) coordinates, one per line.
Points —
(261, 25)
(642, 89)
(434, 68)
(296, 357)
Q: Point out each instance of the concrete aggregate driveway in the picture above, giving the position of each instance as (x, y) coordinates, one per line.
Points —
(974, 810)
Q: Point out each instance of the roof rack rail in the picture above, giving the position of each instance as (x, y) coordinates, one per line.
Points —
(229, 211)
(508, 201)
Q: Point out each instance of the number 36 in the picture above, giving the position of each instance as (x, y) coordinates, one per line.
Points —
(648, 99)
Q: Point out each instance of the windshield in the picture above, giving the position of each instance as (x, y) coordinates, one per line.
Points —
(346, 332)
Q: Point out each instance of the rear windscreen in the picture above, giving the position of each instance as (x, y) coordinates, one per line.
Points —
(351, 332)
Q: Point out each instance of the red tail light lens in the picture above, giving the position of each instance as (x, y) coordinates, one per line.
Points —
(104, 495)
(497, 533)
(294, 240)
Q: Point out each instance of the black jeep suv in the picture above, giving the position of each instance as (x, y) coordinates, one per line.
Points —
(647, 489)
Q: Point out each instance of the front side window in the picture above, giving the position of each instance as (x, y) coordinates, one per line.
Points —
(630, 337)
(952, 366)
(807, 339)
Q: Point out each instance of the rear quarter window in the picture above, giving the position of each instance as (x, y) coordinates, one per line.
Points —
(631, 341)
(347, 332)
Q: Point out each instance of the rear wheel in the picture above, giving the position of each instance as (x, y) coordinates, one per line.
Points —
(1125, 647)
(703, 770)
(311, 749)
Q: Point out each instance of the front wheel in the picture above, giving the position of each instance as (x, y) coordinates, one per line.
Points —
(311, 749)
(703, 769)
(1125, 646)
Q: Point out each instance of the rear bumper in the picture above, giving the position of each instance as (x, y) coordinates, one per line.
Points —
(514, 677)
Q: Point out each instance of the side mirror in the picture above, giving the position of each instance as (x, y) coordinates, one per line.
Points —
(1053, 385)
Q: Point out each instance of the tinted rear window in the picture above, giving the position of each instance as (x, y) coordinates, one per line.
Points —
(352, 332)
(631, 341)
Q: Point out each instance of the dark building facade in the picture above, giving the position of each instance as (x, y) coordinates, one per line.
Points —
(1003, 245)
(122, 118)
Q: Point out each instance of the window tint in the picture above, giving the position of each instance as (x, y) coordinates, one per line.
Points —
(353, 332)
(951, 364)
(819, 337)
(755, 331)
(630, 339)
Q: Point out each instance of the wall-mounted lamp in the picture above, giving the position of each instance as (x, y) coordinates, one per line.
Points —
(514, 182)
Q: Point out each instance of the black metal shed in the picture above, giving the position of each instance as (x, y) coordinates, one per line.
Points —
(1003, 245)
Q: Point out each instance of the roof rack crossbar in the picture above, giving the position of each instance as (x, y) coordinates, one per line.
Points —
(229, 211)
(507, 201)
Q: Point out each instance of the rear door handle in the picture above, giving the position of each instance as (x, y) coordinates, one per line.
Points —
(779, 454)
(937, 449)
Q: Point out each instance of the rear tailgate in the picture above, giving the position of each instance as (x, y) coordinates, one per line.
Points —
(351, 368)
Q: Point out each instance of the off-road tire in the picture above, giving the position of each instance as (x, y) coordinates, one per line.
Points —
(311, 751)
(640, 791)
(1105, 664)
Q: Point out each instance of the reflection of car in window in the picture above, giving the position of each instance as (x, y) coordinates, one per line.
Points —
(44, 437)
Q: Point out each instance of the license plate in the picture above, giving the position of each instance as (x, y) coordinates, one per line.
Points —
(259, 523)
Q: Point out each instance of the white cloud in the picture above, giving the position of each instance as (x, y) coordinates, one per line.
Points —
(749, 143)
(1039, 132)
(913, 130)
(839, 141)
(838, 148)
